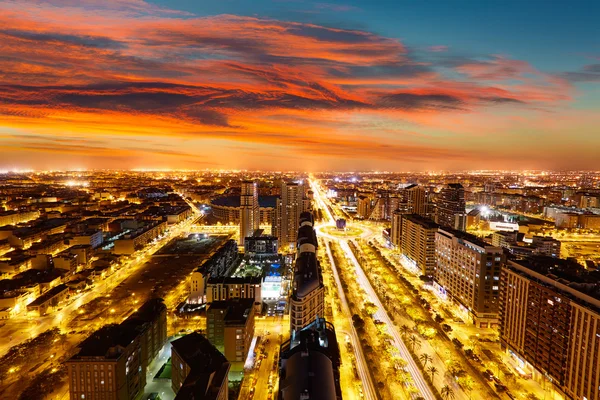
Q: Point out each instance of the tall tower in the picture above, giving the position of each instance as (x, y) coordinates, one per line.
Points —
(451, 207)
(288, 210)
(249, 209)
(417, 200)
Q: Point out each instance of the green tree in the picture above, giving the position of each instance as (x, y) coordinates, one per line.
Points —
(425, 359)
(432, 370)
(414, 342)
(447, 392)
(404, 330)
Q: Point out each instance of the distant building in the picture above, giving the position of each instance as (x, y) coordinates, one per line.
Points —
(504, 239)
(468, 270)
(547, 246)
(418, 242)
(227, 209)
(417, 201)
(112, 362)
(199, 370)
(259, 245)
(249, 210)
(451, 207)
(225, 288)
(288, 210)
(310, 364)
(567, 220)
(17, 217)
(363, 207)
(473, 218)
(138, 238)
(48, 301)
(216, 266)
(92, 237)
(230, 328)
(396, 229)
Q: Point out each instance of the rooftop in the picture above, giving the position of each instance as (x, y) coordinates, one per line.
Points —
(465, 236)
(236, 310)
(566, 272)
(424, 222)
(48, 295)
(208, 367)
(109, 340)
(307, 274)
(253, 280)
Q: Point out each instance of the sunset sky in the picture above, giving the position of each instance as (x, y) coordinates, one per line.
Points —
(300, 85)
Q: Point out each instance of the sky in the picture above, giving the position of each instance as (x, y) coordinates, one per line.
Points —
(300, 85)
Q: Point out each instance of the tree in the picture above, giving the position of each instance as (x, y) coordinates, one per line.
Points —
(404, 330)
(432, 370)
(425, 359)
(414, 342)
(447, 392)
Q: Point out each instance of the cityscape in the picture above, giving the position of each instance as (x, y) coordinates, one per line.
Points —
(299, 200)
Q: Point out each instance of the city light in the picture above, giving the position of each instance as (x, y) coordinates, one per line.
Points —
(263, 200)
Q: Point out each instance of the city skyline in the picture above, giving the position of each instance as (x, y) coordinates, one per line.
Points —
(265, 85)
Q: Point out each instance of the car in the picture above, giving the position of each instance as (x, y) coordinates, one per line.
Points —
(500, 387)
(153, 396)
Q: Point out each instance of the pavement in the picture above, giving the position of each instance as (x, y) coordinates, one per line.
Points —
(160, 386)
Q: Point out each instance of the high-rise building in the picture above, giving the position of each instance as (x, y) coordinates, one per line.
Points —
(418, 242)
(363, 207)
(199, 370)
(310, 364)
(308, 293)
(546, 245)
(468, 270)
(288, 209)
(249, 210)
(396, 230)
(230, 328)
(416, 200)
(451, 211)
(550, 323)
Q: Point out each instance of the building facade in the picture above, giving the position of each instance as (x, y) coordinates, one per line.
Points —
(307, 301)
(218, 289)
(288, 210)
(468, 270)
(249, 210)
(418, 242)
(550, 323)
(199, 370)
(451, 205)
(111, 364)
(230, 328)
(310, 364)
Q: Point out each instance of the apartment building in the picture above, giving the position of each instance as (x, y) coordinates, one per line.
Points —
(468, 271)
(418, 242)
(111, 364)
(199, 370)
(550, 323)
(230, 328)
(308, 293)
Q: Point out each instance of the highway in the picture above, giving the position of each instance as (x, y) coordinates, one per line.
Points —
(381, 313)
(362, 366)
